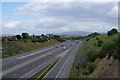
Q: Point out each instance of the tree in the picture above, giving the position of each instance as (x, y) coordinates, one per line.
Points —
(25, 35)
(42, 35)
(111, 32)
(114, 31)
(92, 35)
(18, 37)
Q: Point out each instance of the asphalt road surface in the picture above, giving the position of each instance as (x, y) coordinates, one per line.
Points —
(28, 64)
(62, 69)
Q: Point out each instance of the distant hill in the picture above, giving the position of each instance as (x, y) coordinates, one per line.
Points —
(7, 35)
(73, 33)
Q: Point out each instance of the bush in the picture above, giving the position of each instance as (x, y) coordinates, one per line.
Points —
(83, 64)
(115, 55)
(92, 35)
(97, 38)
(108, 47)
(91, 67)
(60, 39)
(118, 47)
(42, 40)
(92, 54)
(45, 39)
(38, 40)
(25, 40)
(34, 40)
(88, 39)
(99, 43)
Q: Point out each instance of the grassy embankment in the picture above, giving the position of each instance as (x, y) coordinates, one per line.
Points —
(101, 52)
(18, 47)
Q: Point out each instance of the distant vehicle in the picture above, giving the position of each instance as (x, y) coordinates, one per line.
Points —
(56, 46)
(64, 48)
(72, 44)
(61, 44)
(76, 41)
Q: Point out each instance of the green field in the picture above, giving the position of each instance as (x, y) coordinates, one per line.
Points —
(17, 47)
(92, 51)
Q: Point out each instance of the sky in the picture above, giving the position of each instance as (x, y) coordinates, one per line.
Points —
(56, 17)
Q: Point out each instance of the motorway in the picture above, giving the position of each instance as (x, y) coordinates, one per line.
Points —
(28, 64)
(62, 69)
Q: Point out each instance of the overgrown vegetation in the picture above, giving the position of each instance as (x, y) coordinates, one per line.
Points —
(98, 45)
(91, 67)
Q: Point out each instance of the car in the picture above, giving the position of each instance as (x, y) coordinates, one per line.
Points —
(56, 46)
(72, 44)
(64, 48)
(61, 44)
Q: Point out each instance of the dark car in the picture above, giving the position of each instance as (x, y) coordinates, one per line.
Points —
(61, 44)
(56, 46)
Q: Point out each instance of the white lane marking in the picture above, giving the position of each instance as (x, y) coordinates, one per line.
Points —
(43, 73)
(36, 68)
(33, 53)
(62, 67)
(24, 63)
(57, 63)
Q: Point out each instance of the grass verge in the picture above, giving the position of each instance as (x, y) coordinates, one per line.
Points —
(41, 74)
(18, 47)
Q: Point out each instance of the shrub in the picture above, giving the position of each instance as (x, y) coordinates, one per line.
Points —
(45, 39)
(60, 39)
(83, 64)
(118, 47)
(25, 40)
(92, 35)
(34, 40)
(99, 43)
(108, 47)
(91, 67)
(38, 40)
(88, 39)
(42, 40)
(92, 54)
(97, 38)
(115, 55)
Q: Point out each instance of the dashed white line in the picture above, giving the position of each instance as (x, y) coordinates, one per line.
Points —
(62, 67)
(56, 64)
(34, 69)
(33, 53)
(43, 73)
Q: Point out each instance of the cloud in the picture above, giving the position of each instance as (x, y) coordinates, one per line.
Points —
(114, 12)
(11, 24)
(53, 25)
(67, 16)
(59, 0)
(74, 0)
(83, 9)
